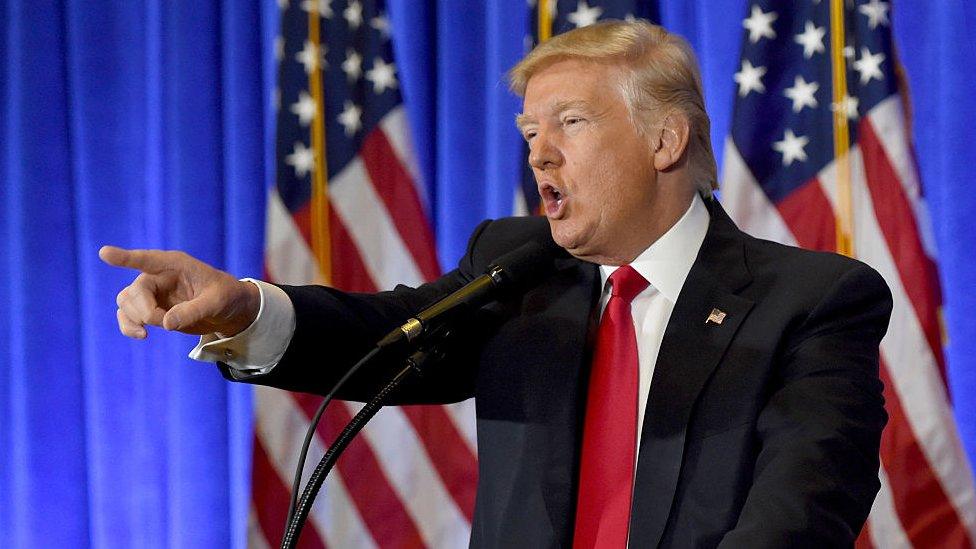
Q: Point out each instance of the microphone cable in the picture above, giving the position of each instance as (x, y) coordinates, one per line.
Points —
(297, 483)
(299, 514)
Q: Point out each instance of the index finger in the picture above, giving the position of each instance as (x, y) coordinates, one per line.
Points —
(147, 261)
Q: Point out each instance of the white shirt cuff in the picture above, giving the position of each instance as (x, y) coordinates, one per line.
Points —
(258, 348)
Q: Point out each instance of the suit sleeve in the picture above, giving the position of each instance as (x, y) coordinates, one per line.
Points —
(816, 475)
(334, 329)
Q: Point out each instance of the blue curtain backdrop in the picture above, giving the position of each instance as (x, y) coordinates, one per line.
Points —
(149, 124)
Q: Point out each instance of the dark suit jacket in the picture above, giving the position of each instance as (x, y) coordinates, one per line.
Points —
(761, 431)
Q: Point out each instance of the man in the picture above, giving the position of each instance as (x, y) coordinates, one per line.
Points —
(675, 383)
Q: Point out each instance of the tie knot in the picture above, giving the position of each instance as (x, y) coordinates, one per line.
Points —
(626, 283)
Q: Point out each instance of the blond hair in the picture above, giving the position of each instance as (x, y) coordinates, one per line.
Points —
(663, 72)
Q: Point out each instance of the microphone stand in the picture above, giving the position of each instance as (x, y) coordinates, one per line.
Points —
(414, 364)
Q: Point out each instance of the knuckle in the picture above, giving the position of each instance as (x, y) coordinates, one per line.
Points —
(122, 297)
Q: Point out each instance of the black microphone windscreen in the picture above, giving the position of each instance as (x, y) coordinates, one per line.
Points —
(526, 266)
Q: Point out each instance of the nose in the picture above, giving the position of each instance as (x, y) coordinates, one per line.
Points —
(544, 153)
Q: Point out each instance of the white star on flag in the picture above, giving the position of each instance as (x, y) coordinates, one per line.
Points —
(848, 104)
(869, 65)
(760, 24)
(877, 13)
(354, 14)
(749, 78)
(811, 39)
(381, 24)
(802, 94)
(310, 56)
(302, 159)
(791, 147)
(353, 65)
(349, 118)
(282, 5)
(322, 7)
(584, 15)
(382, 75)
(305, 108)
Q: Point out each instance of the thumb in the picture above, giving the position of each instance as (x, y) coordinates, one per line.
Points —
(188, 314)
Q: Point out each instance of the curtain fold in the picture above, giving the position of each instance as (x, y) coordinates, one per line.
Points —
(137, 124)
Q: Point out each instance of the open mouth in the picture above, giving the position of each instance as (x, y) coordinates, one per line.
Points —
(552, 199)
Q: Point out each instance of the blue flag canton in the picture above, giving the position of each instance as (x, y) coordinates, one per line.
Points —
(782, 121)
(360, 86)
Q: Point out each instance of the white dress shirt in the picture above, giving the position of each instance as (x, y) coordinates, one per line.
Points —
(665, 264)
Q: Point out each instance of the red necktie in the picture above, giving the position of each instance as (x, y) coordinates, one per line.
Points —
(610, 428)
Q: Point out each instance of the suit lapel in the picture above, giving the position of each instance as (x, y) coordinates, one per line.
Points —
(692, 347)
(571, 298)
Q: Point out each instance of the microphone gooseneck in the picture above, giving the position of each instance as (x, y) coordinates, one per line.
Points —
(516, 271)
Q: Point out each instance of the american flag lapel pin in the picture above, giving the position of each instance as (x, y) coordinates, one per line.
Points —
(716, 316)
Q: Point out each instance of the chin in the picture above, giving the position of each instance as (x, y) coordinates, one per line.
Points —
(572, 239)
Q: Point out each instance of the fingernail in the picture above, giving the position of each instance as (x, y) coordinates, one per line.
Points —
(174, 322)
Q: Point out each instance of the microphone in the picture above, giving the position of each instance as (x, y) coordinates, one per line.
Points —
(517, 271)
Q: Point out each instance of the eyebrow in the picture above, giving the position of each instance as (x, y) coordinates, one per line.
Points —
(522, 119)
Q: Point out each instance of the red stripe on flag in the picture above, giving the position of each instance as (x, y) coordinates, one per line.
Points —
(864, 540)
(348, 270)
(448, 452)
(897, 220)
(271, 498)
(397, 190)
(380, 507)
(926, 514)
(303, 221)
(810, 217)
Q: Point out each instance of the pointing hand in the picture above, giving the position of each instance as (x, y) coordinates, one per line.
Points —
(179, 292)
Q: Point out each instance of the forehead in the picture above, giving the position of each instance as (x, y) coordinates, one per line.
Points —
(571, 83)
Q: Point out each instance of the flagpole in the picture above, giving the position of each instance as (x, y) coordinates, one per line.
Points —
(321, 241)
(845, 212)
(545, 20)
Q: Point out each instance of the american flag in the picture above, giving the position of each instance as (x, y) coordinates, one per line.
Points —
(349, 210)
(819, 156)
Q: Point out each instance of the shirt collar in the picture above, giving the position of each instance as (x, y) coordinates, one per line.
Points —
(667, 262)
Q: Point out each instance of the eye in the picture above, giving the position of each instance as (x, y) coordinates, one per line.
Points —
(529, 134)
(572, 120)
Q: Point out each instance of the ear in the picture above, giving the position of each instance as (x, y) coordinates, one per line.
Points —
(671, 141)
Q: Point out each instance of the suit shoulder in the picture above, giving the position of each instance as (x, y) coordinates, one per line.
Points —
(772, 263)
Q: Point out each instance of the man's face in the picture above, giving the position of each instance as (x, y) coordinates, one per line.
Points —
(594, 171)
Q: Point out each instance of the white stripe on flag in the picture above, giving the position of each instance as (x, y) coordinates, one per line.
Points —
(281, 426)
(519, 205)
(255, 536)
(364, 215)
(888, 121)
(463, 416)
(910, 361)
(287, 256)
(397, 129)
(404, 459)
(746, 202)
(886, 528)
